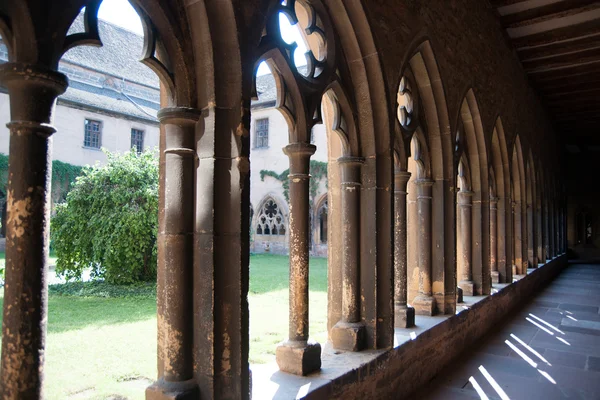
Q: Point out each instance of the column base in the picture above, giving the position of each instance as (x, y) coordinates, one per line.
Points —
(348, 336)
(298, 358)
(424, 305)
(467, 287)
(459, 295)
(163, 390)
(514, 270)
(495, 277)
(404, 317)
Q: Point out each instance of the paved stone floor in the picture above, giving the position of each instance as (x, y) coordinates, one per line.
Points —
(548, 350)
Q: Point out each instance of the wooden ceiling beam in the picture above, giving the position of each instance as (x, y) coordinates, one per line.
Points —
(565, 73)
(562, 61)
(559, 48)
(560, 34)
(574, 83)
(550, 11)
(502, 3)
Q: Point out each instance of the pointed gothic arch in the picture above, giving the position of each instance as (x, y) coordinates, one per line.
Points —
(519, 211)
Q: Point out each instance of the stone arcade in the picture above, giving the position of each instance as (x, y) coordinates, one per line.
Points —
(448, 179)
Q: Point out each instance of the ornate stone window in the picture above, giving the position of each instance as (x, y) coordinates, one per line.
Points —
(270, 220)
(93, 134)
(322, 215)
(137, 140)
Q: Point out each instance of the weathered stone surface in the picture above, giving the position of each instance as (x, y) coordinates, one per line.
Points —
(467, 287)
(404, 317)
(163, 390)
(348, 336)
(495, 277)
(459, 295)
(298, 358)
(424, 305)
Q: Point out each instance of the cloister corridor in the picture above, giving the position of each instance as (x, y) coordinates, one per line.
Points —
(548, 349)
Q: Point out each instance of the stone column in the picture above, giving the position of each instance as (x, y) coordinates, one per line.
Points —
(424, 303)
(33, 90)
(494, 240)
(547, 241)
(404, 316)
(465, 204)
(175, 261)
(349, 333)
(518, 240)
(297, 355)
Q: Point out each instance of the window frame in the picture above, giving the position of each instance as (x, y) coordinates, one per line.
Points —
(261, 141)
(143, 135)
(88, 122)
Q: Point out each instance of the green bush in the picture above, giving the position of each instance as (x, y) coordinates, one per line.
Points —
(109, 221)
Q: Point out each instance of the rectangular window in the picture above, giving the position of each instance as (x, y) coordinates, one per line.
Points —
(93, 134)
(137, 140)
(262, 133)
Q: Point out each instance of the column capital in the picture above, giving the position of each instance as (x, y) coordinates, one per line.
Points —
(299, 155)
(401, 179)
(465, 198)
(300, 149)
(494, 199)
(351, 170)
(424, 182)
(179, 115)
(14, 73)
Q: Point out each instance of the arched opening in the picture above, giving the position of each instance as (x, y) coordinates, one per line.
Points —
(519, 204)
(532, 228)
(500, 166)
(471, 147)
(422, 100)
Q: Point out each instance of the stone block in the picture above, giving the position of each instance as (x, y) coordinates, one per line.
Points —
(404, 317)
(424, 305)
(459, 295)
(163, 390)
(298, 358)
(495, 277)
(467, 287)
(348, 336)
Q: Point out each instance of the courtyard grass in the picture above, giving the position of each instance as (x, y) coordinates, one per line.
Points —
(102, 340)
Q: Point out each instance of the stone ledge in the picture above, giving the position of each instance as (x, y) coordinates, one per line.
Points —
(418, 355)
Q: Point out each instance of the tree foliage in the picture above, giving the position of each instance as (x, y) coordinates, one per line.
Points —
(318, 171)
(109, 222)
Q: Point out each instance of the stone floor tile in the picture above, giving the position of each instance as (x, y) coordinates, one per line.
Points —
(593, 363)
(565, 358)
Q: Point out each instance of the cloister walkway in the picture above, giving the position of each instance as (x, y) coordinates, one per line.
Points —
(549, 350)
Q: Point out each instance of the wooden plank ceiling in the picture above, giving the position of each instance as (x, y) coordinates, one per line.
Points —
(558, 42)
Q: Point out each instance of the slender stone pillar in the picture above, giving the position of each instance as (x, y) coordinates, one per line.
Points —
(175, 261)
(465, 204)
(547, 240)
(297, 355)
(404, 315)
(518, 268)
(33, 90)
(494, 240)
(349, 333)
(424, 303)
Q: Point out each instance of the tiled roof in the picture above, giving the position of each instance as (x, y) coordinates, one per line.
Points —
(118, 56)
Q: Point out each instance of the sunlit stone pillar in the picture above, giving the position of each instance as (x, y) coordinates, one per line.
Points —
(33, 90)
(518, 239)
(404, 316)
(175, 261)
(465, 205)
(494, 240)
(424, 303)
(349, 333)
(297, 355)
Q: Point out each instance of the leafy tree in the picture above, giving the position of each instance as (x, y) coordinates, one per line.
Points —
(109, 222)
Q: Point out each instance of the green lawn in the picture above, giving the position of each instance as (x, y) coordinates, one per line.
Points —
(106, 347)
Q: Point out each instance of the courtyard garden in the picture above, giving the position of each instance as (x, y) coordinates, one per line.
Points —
(102, 337)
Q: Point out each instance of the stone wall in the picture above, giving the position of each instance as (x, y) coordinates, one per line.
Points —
(401, 371)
